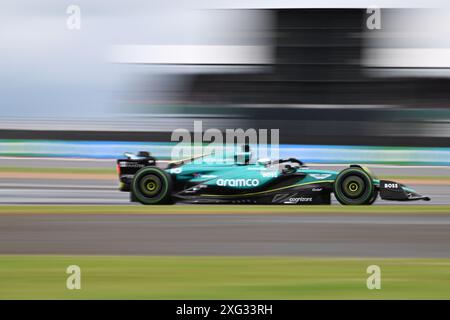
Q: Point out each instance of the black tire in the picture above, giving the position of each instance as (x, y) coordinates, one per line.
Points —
(133, 197)
(151, 185)
(354, 186)
(374, 197)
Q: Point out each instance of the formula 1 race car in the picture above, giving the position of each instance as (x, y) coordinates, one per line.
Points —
(283, 181)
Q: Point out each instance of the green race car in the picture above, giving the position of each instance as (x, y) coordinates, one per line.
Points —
(241, 181)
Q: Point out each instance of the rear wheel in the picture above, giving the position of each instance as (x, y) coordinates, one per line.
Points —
(354, 186)
(151, 185)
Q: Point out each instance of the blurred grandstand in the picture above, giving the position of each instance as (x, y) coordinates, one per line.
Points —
(317, 74)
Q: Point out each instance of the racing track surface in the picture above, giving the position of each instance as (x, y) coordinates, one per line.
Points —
(82, 191)
(46, 191)
(356, 235)
(305, 235)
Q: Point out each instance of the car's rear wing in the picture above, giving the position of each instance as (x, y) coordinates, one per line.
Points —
(128, 166)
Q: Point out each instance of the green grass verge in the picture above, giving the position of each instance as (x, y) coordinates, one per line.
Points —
(223, 209)
(136, 277)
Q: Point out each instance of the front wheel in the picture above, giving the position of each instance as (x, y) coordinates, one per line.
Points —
(151, 185)
(354, 186)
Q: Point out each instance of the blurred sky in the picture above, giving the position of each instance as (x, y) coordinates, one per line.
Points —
(48, 70)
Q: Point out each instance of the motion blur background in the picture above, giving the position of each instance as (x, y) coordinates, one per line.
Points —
(134, 72)
(74, 100)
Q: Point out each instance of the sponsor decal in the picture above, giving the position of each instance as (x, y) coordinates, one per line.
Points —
(237, 182)
(126, 164)
(391, 185)
(290, 198)
(176, 170)
(320, 176)
(316, 189)
(269, 174)
(298, 199)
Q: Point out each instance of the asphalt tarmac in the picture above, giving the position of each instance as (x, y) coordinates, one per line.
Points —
(328, 235)
(66, 191)
(111, 163)
(104, 191)
(273, 235)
